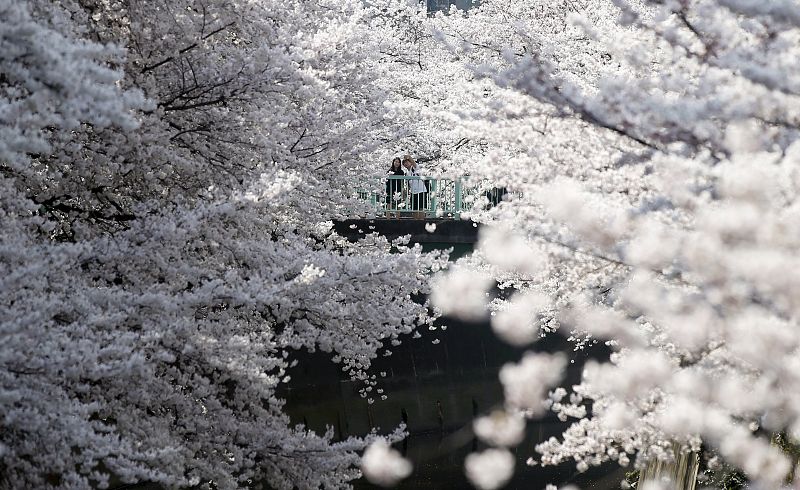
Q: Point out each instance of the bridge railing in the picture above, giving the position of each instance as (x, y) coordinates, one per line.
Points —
(446, 197)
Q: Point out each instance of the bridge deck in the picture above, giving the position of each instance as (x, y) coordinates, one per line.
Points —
(453, 231)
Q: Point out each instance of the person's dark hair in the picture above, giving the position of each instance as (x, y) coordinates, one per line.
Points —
(399, 169)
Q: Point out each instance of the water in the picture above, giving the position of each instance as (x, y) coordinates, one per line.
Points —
(437, 390)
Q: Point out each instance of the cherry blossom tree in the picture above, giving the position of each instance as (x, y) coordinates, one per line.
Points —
(677, 249)
(168, 173)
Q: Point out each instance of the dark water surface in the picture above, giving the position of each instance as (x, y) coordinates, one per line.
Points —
(437, 389)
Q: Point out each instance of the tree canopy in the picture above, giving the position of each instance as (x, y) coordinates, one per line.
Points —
(169, 171)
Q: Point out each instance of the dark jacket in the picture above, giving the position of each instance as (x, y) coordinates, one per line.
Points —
(394, 185)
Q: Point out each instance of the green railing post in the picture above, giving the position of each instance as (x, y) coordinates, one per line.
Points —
(457, 210)
(434, 196)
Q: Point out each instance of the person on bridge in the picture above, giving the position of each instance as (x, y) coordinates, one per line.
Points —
(417, 188)
(394, 188)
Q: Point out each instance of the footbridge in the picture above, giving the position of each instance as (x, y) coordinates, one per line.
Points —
(434, 218)
(445, 198)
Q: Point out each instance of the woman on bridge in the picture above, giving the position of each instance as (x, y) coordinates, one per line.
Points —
(394, 187)
(417, 187)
